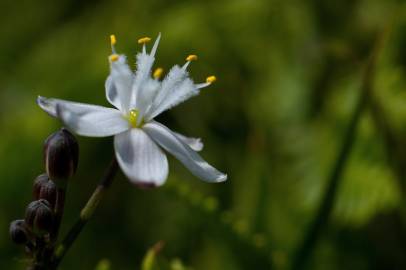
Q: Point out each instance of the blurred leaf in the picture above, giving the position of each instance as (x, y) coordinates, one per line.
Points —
(150, 261)
(103, 264)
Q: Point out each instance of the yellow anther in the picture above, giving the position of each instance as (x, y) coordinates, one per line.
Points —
(144, 40)
(114, 57)
(158, 73)
(191, 57)
(113, 40)
(211, 79)
(133, 117)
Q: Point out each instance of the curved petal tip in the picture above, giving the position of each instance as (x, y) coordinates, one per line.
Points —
(222, 178)
(47, 106)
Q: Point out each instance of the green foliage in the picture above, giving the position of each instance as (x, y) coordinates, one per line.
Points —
(153, 260)
(103, 265)
(150, 261)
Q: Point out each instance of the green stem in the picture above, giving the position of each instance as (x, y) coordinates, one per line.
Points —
(319, 222)
(86, 213)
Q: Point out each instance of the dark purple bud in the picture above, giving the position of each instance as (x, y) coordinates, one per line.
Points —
(44, 188)
(48, 192)
(38, 183)
(39, 216)
(61, 153)
(19, 232)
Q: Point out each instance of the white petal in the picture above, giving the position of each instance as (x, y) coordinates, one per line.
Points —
(183, 91)
(112, 94)
(142, 73)
(85, 119)
(141, 160)
(176, 88)
(144, 64)
(195, 143)
(156, 43)
(150, 89)
(170, 142)
(48, 105)
(175, 76)
(122, 78)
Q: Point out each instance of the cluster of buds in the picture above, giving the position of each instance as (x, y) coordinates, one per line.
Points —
(37, 231)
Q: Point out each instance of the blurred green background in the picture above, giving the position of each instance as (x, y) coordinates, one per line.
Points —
(289, 76)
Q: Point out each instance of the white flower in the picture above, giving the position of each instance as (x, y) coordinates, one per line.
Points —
(138, 98)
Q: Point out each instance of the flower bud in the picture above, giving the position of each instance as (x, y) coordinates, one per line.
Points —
(44, 188)
(38, 183)
(48, 192)
(61, 152)
(39, 216)
(19, 232)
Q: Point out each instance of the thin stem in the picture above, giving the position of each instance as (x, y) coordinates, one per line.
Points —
(86, 213)
(59, 207)
(316, 227)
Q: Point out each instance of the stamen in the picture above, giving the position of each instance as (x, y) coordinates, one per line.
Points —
(144, 40)
(133, 117)
(158, 73)
(113, 40)
(114, 57)
(191, 57)
(211, 79)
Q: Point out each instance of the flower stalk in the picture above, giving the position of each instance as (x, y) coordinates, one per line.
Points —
(59, 207)
(86, 213)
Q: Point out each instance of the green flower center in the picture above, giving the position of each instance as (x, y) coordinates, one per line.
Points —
(132, 117)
